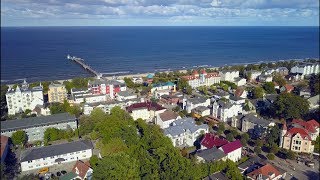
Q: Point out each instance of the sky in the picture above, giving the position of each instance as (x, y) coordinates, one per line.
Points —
(159, 12)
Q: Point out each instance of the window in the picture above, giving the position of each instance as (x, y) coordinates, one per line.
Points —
(78, 152)
(30, 161)
(52, 157)
(37, 165)
(30, 167)
(44, 158)
(83, 151)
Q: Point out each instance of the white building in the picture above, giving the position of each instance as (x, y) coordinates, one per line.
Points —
(163, 86)
(106, 87)
(166, 118)
(145, 110)
(184, 132)
(254, 74)
(229, 75)
(225, 110)
(233, 150)
(306, 68)
(36, 126)
(55, 154)
(125, 95)
(240, 81)
(204, 79)
(23, 98)
(265, 78)
(191, 103)
(202, 111)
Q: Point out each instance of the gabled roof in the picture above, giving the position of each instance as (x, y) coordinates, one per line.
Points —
(295, 130)
(81, 168)
(54, 150)
(256, 120)
(211, 140)
(239, 92)
(182, 125)
(4, 143)
(266, 171)
(310, 125)
(212, 154)
(36, 121)
(231, 146)
(289, 87)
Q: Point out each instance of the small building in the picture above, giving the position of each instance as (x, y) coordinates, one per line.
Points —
(254, 125)
(149, 78)
(267, 172)
(106, 87)
(184, 132)
(295, 77)
(137, 80)
(4, 147)
(201, 111)
(191, 103)
(254, 74)
(166, 118)
(240, 81)
(232, 150)
(41, 110)
(90, 98)
(125, 95)
(81, 170)
(314, 101)
(163, 86)
(224, 110)
(57, 93)
(287, 88)
(47, 156)
(251, 164)
(265, 78)
(210, 140)
(36, 126)
(210, 155)
(170, 99)
(145, 110)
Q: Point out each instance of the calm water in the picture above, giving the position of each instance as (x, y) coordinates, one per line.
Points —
(39, 53)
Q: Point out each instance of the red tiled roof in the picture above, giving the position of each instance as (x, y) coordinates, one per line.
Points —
(203, 71)
(214, 74)
(239, 92)
(231, 146)
(210, 141)
(293, 131)
(310, 125)
(149, 105)
(266, 170)
(195, 76)
(82, 167)
(4, 143)
(195, 72)
(289, 87)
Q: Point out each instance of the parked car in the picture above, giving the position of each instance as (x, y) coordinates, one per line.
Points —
(63, 172)
(58, 173)
(310, 164)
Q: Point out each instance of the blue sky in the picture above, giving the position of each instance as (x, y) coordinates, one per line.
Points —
(160, 12)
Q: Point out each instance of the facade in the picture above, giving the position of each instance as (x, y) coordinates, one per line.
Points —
(225, 110)
(125, 95)
(4, 147)
(229, 75)
(23, 98)
(299, 135)
(204, 79)
(240, 81)
(166, 118)
(254, 74)
(47, 156)
(36, 126)
(145, 110)
(163, 86)
(283, 71)
(107, 87)
(306, 69)
(201, 111)
(57, 93)
(232, 150)
(90, 98)
(184, 132)
(191, 103)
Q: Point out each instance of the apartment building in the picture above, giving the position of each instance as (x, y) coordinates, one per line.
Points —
(229, 75)
(203, 79)
(306, 69)
(57, 93)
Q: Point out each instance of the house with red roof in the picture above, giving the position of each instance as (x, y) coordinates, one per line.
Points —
(233, 150)
(203, 79)
(145, 110)
(81, 170)
(298, 136)
(4, 147)
(266, 172)
(211, 140)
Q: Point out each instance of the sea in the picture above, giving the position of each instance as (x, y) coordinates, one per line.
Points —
(39, 53)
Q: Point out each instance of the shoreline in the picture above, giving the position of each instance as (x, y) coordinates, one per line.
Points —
(130, 75)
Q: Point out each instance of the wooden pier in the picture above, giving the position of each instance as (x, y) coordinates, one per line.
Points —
(81, 62)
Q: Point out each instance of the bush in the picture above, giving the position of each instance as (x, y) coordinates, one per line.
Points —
(257, 149)
(291, 155)
(270, 156)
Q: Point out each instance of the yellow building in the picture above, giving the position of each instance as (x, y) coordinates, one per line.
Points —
(298, 137)
(57, 93)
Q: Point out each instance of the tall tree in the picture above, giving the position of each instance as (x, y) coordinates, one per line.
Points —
(19, 137)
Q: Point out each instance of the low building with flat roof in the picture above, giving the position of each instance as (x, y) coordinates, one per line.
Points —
(36, 126)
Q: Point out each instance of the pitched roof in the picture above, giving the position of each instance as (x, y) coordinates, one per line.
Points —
(289, 87)
(256, 120)
(149, 105)
(4, 143)
(36, 121)
(182, 125)
(149, 76)
(81, 168)
(54, 150)
(266, 171)
(212, 154)
(239, 92)
(310, 125)
(295, 130)
(231, 146)
(210, 140)
(168, 115)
